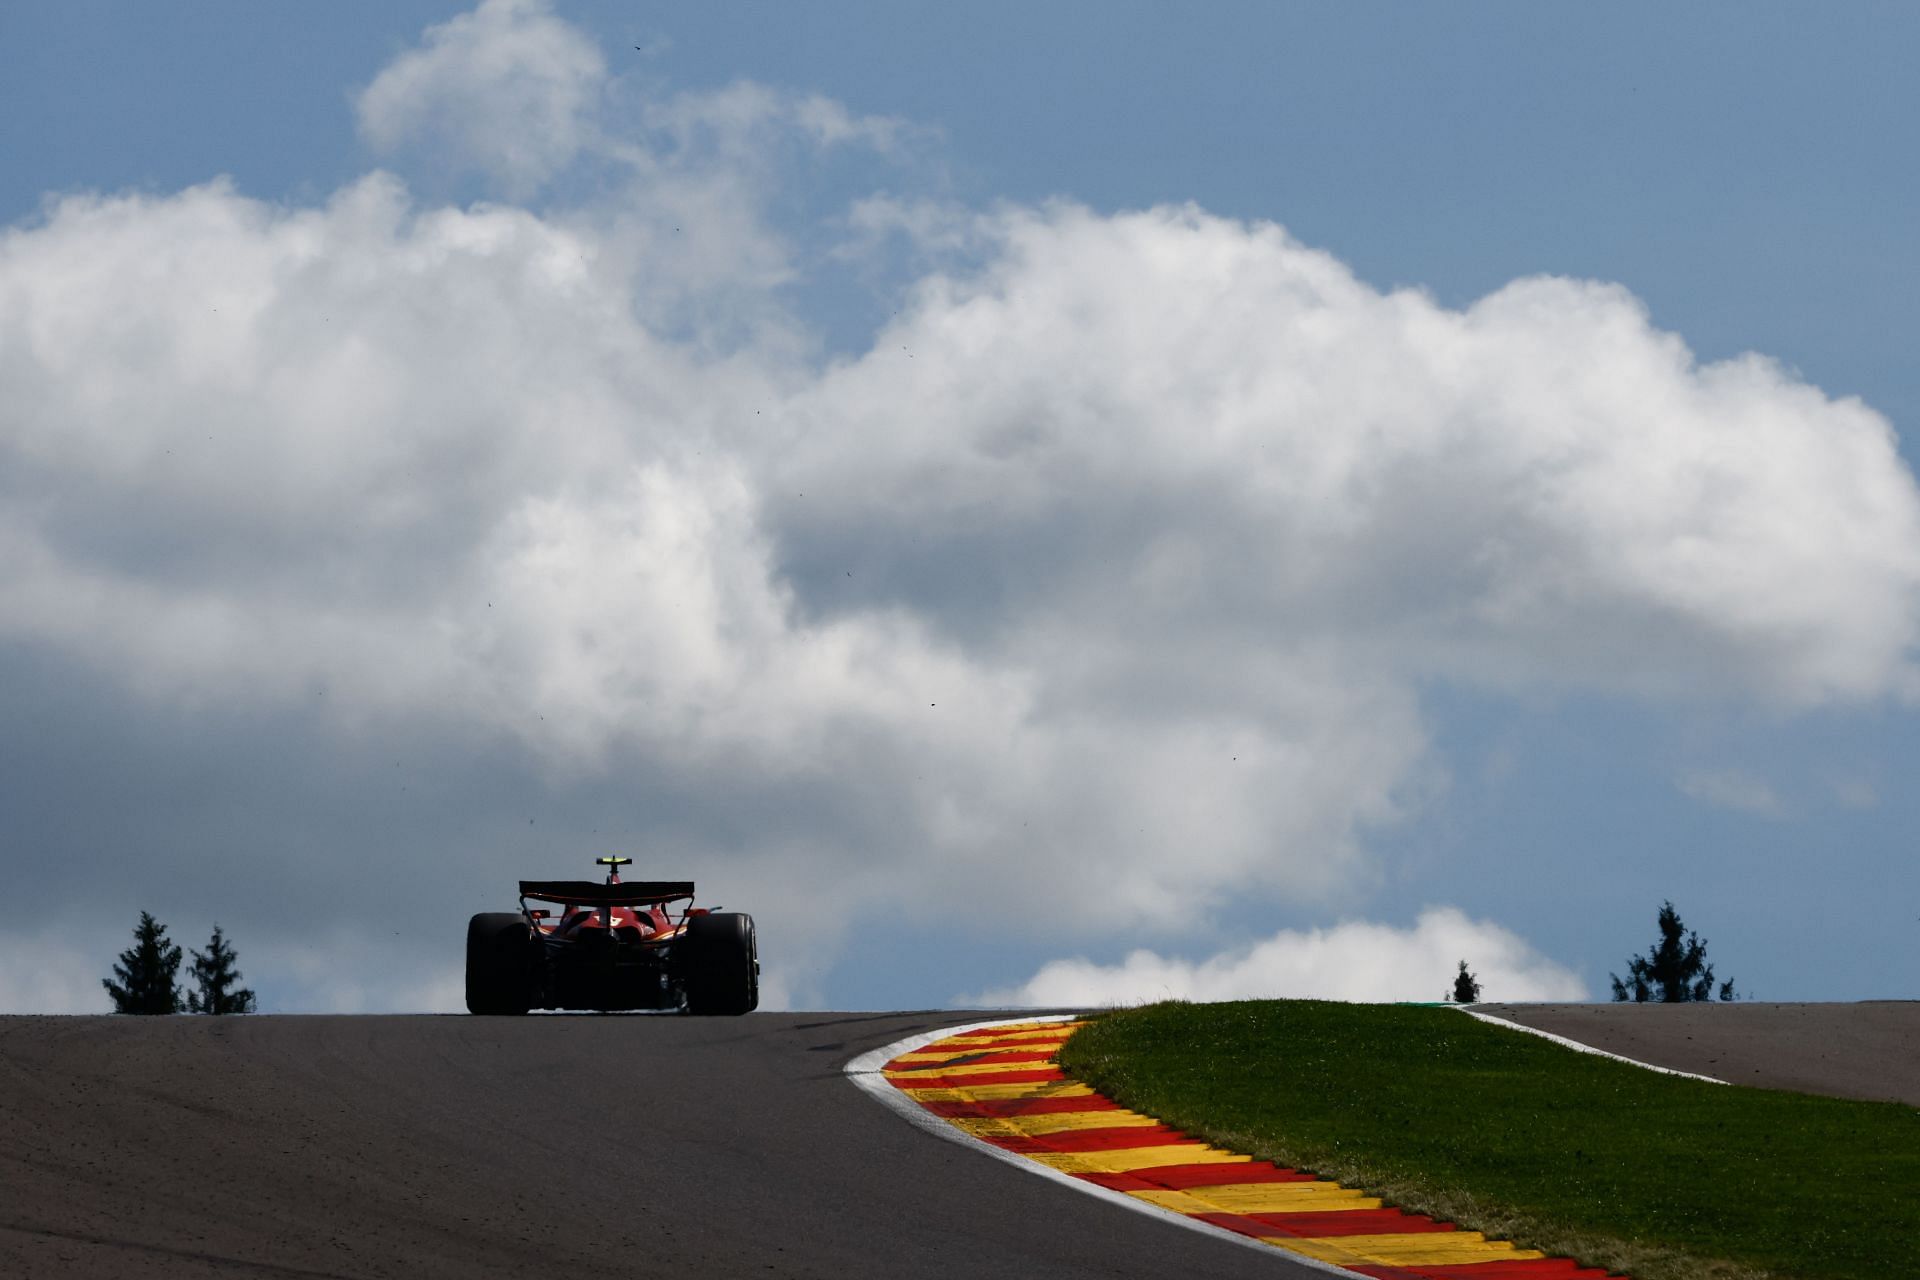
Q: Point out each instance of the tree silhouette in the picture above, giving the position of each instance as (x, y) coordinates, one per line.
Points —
(1466, 987)
(146, 971)
(1674, 970)
(215, 976)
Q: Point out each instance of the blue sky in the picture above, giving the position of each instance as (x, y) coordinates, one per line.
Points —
(1735, 168)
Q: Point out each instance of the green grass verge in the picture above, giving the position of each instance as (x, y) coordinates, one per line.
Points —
(1659, 1177)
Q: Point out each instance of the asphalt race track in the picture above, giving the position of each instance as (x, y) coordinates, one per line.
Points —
(1868, 1050)
(629, 1145)
(476, 1147)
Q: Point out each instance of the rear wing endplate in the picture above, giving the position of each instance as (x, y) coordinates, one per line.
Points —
(587, 893)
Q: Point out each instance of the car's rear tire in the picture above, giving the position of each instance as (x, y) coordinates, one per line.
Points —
(499, 963)
(722, 967)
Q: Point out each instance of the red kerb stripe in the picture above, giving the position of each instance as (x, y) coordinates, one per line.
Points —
(1183, 1177)
(1007, 1108)
(968, 1060)
(1117, 1139)
(1235, 1222)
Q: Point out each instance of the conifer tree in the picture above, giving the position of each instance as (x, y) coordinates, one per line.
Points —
(216, 978)
(1466, 987)
(1674, 970)
(146, 972)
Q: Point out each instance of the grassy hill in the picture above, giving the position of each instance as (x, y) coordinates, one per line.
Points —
(1659, 1177)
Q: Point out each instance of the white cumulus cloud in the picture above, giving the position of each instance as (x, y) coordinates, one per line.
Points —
(1120, 556)
(1353, 960)
(508, 89)
(1188, 431)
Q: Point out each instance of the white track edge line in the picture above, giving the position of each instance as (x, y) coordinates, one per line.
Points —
(1577, 1047)
(864, 1071)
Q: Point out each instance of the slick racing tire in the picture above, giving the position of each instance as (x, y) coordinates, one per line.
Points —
(499, 963)
(723, 964)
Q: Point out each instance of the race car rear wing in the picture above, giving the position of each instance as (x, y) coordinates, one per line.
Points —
(587, 893)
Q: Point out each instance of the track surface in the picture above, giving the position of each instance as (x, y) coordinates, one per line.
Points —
(476, 1147)
(1868, 1050)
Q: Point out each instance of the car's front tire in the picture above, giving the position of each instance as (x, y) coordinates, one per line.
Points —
(499, 963)
(722, 966)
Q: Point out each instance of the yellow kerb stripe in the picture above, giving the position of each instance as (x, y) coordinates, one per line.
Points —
(1019, 1029)
(1262, 1197)
(1022, 1044)
(1001, 1092)
(1130, 1159)
(1406, 1248)
(969, 1069)
(949, 1055)
(1073, 1121)
(1035, 1126)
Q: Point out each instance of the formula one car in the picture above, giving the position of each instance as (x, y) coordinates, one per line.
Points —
(612, 946)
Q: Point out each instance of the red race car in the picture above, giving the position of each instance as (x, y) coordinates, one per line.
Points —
(611, 946)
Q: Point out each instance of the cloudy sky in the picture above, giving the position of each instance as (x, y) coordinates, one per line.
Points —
(1071, 506)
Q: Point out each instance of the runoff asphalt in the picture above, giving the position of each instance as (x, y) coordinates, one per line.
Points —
(402, 1146)
(1868, 1050)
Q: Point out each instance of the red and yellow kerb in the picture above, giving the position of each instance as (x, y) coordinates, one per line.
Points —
(1002, 1085)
